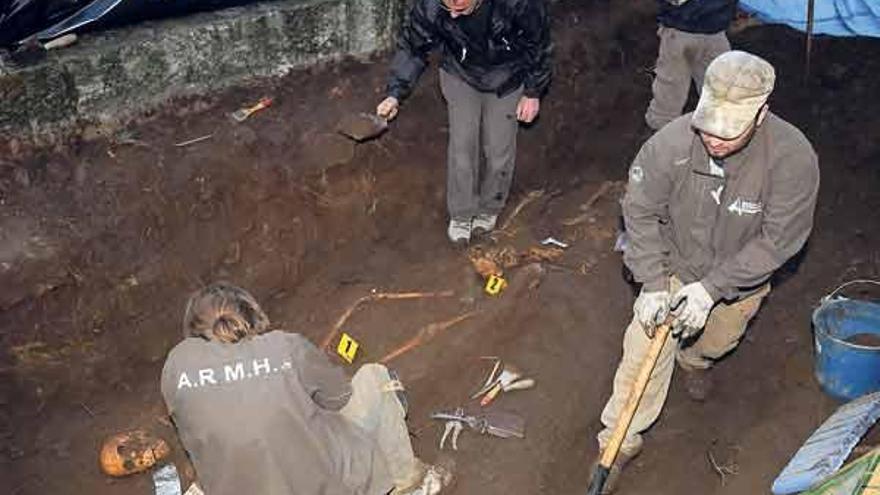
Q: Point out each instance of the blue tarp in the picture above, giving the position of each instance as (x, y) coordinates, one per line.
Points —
(833, 17)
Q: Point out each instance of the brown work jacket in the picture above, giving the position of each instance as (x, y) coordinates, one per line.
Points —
(729, 232)
(260, 417)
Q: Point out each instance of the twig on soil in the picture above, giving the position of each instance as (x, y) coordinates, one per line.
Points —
(377, 296)
(577, 270)
(86, 409)
(133, 142)
(193, 141)
(424, 335)
(606, 187)
(531, 196)
(723, 471)
(322, 200)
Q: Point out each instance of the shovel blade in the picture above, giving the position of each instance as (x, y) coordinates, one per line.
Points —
(597, 483)
(362, 126)
(505, 425)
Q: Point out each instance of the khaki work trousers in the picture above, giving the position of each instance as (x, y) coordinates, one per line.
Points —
(480, 124)
(374, 407)
(683, 57)
(724, 328)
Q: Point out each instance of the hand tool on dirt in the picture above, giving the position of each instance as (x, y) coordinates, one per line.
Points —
(524, 384)
(507, 384)
(507, 372)
(362, 126)
(496, 423)
(509, 379)
(242, 114)
(490, 380)
(629, 410)
(31, 49)
(454, 427)
(826, 449)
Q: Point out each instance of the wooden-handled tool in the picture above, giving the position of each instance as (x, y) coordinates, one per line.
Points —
(629, 410)
(507, 386)
(242, 114)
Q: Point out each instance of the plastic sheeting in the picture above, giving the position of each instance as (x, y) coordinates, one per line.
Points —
(832, 17)
(48, 19)
(20, 18)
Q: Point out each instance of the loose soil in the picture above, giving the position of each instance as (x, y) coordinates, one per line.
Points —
(102, 241)
(865, 339)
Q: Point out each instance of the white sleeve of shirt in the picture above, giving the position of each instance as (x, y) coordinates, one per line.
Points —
(715, 169)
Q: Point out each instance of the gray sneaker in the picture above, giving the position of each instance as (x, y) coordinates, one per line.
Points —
(459, 230)
(484, 222)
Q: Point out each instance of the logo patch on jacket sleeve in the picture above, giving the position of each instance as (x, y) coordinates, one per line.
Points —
(744, 207)
(636, 174)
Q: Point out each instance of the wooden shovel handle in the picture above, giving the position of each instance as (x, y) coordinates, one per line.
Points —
(635, 396)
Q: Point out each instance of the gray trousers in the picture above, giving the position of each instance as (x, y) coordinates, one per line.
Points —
(683, 57)
(479, 124)
(374, 407)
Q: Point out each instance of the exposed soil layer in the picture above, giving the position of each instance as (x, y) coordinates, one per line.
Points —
(101, 243)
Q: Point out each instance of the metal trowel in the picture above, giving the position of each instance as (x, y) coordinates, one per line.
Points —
(362, 126)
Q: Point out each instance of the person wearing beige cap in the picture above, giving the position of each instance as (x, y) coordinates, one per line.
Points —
(716, 201)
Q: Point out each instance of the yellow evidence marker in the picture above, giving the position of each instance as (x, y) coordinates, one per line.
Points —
(347, 348)
(494, 285)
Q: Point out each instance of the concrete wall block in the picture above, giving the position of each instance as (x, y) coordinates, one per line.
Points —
(26, 95)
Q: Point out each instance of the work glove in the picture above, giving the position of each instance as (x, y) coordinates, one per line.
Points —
(387, 108)
(691, 306)
(651, 309)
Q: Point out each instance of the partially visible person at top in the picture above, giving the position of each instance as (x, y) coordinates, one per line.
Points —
(716, 202)
(263, 411)
(494, 70)
(692, 34)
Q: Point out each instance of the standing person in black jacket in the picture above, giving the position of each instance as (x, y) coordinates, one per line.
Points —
(494, 70)
(692, 34)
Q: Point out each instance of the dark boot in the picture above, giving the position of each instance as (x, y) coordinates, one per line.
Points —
(617, 468)
(698, 383)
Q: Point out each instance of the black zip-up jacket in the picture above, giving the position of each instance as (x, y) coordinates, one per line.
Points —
(500, 46)
(697, 16)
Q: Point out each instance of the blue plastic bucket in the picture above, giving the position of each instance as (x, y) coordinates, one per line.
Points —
(847, 340)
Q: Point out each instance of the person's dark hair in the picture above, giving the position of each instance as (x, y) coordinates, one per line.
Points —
(225, 313)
